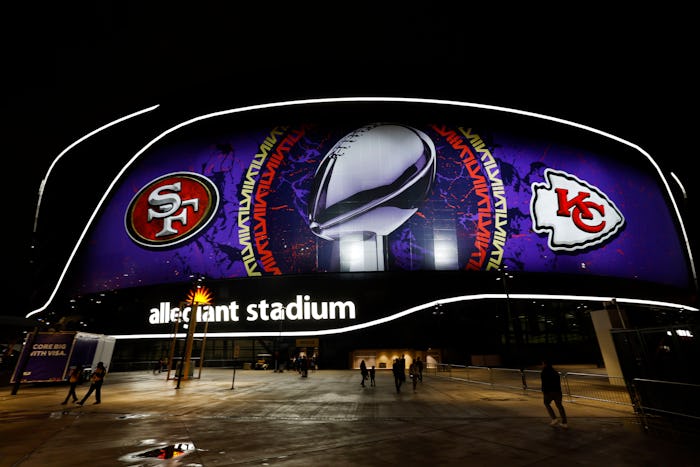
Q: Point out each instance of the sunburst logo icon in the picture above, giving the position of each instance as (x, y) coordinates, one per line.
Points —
(199, 296)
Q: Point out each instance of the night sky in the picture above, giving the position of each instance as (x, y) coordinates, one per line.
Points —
(69, 72)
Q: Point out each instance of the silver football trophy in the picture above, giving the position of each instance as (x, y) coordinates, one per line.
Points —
(366, 186)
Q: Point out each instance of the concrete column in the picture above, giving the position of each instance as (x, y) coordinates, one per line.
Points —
(602, 326)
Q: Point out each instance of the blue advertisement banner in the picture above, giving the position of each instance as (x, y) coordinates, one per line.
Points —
(47, 357)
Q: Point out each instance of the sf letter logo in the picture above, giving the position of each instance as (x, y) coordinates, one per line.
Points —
(171, 209)
(574, 214)
(167, 205)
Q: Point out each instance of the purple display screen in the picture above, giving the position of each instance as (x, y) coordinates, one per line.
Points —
(234, 201)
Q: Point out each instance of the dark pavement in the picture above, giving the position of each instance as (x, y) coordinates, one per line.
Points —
(327, 419)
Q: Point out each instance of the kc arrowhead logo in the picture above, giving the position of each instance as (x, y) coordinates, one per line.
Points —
(171, 209)
(575, 214)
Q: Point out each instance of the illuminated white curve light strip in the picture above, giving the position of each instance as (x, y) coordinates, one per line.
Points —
(678, 181)
(367, 99)
(42, 185)
(408, 311)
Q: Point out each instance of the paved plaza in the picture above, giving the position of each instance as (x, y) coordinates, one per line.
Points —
(327, 419)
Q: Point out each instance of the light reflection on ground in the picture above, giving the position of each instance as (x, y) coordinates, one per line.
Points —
(160, 452)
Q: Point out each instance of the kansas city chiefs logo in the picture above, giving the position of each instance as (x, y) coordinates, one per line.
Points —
(171, 209)
(575, 214)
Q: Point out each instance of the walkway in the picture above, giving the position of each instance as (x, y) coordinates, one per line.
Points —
(327, 419)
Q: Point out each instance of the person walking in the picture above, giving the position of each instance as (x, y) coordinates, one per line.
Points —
(413, 373)
(419, 366)
(96, 380)
(304, 367)
(160, 364)
(551, 392)
(372, 372)
(363, 373)
(399, 375)
(73, 380)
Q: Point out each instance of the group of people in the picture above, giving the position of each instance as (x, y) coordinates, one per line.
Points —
(367, 373)
(96, 379)
(550, 379)
(399, 371)
(302, 364)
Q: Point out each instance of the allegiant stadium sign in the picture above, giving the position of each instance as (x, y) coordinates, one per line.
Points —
(301, 309)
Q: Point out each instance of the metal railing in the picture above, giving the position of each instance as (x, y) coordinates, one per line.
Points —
(575, 386)
(594, 387)
(661, 406)
(667, 406)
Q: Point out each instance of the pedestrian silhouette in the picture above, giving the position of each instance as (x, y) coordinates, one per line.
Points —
(96, 380)
(413, 373)
(371, 376)
(363, 372)
(73, 380)
(304, 367)
(399, 376)
(551, 392)
(159, 366)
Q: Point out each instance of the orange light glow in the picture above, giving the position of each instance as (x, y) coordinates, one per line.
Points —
(199, 296)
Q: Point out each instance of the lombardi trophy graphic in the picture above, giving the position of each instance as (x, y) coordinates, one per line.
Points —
(366, 186)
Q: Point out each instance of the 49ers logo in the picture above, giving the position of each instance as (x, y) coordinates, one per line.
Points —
(171, 209)
(576, 215)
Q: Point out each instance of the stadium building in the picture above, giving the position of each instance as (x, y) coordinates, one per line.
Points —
(354, 228)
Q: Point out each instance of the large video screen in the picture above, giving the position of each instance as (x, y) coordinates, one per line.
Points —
(372, 186)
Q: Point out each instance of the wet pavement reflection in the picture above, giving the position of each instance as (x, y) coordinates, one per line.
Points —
(325, 419)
